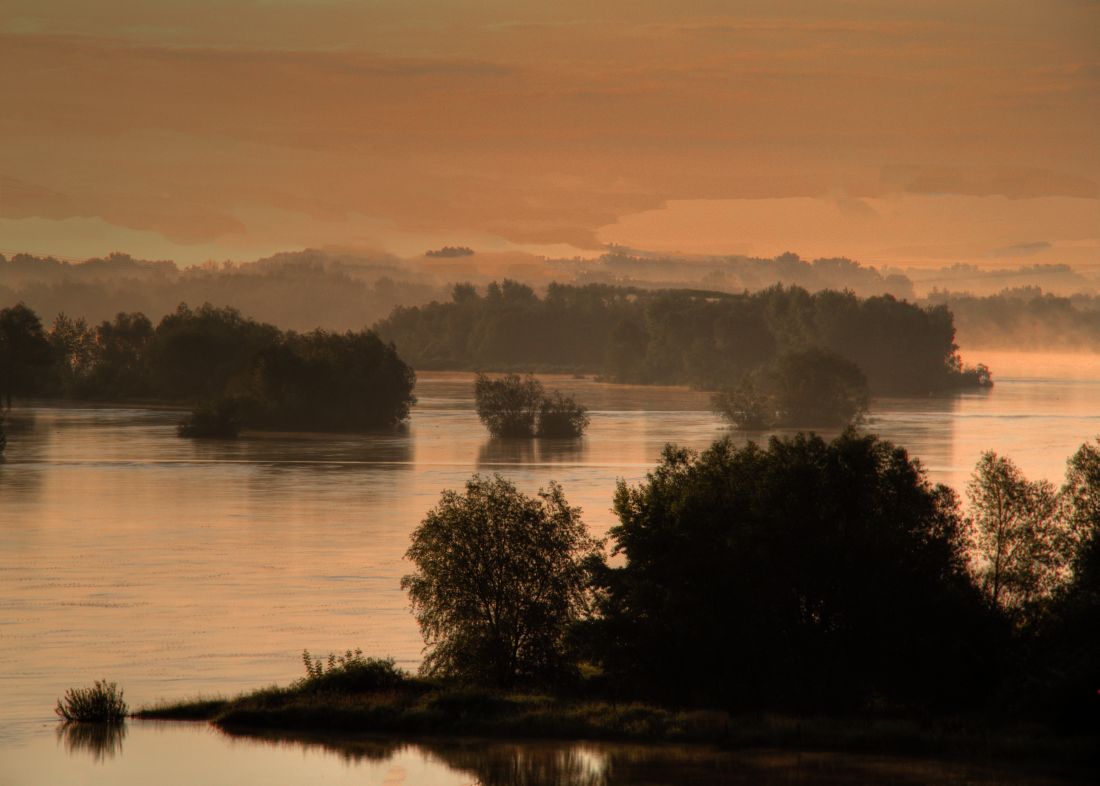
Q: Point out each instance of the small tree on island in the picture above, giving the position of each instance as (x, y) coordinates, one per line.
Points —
(500, 579)
(508, 406)
(810, 387)
(515, 406)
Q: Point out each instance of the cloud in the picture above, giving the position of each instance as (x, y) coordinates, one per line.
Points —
(1021, 249)
(1011, 182)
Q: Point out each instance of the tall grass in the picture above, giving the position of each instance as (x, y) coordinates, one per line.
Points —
(101, 703)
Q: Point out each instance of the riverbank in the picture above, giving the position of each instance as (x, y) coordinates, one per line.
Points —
(420, 708)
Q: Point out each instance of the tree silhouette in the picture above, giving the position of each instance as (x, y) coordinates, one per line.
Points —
(499, 579)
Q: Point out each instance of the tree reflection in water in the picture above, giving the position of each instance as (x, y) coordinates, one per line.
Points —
(101, 740)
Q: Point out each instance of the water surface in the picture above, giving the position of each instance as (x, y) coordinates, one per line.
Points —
(179, 567)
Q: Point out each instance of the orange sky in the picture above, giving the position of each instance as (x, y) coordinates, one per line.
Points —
(916, 132)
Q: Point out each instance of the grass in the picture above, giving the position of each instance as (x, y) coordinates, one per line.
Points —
(101, 703)
(356, 695)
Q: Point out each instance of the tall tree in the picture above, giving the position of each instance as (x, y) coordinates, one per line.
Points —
(500, 577)
(1020, 535)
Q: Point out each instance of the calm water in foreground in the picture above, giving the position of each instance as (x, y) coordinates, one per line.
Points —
(178, 567)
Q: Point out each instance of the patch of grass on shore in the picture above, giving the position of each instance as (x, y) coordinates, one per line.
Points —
(362, 696)
(423, 708)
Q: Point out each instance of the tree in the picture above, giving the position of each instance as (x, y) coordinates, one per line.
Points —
(500, 578)
(24, 352)
(508, 406)
(745, 406)
(804, 574)
(561, 416)
(1020, 535)
(815, 387)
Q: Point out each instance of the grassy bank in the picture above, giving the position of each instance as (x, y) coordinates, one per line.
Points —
(421, 708)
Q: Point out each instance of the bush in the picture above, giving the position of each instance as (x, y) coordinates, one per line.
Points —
(561, 416)
(350, 673)
(745, 406)
(101, 703)
(217, 419)
(515, 406)
(508, 406)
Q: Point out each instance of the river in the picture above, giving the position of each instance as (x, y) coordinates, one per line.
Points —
(179, 567)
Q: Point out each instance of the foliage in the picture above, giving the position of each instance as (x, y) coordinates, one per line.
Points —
(101, 703)
(561, 416)
(24, 352)
(1019, 533)
(702, 338)
(810, 387)
(815, 387)
(500, 578)
(329, 381)
(508, 406)
(319, 380)
(220, 419)
(349, 673)
(809, 573)
(515, 406)
(745, 406)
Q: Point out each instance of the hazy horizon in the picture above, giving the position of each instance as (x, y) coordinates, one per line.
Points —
(921, 134)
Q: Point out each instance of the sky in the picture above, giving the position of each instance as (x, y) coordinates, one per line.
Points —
(921, 132)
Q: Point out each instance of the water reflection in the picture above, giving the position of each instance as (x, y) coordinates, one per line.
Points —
(549, 763)
(502, 452)
(101, 741)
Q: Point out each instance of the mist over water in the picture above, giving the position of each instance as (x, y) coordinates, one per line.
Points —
(178, 567)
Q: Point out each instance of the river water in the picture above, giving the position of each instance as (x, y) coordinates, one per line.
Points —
(179, 567)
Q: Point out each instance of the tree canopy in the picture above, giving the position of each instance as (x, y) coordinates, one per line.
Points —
(500, 578)
(803, 573)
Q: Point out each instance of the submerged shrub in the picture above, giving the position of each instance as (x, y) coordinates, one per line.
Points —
(515, 406)
(217, 419)
(745, 406)
(561, 416)
(101, 703)
(508, 406)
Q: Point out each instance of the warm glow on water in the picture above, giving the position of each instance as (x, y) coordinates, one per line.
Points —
(178, 567)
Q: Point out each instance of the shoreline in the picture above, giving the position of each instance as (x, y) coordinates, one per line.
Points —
(427, 711)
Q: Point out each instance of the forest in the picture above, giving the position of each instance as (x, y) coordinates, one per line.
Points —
(692, 337)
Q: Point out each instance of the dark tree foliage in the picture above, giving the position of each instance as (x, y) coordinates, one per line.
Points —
(24, 353)
(500, 578)
(330, 381)
(239, 371)
(561, 416)
(815, 387)
(220, 419)
(195, 353)
(508, 406)
(706, 339)
(805, 574)
(515, 406)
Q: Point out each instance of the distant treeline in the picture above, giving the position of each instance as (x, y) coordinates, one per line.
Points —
(1026, 318)
(299, 291)
(700, 338)
(318, 380)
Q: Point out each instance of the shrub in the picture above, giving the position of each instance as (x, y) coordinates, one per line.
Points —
(217, 419)
(508, 406)
(561, 416)
(101, 703)
(350, 673)
(745, 406)
(515, 406)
